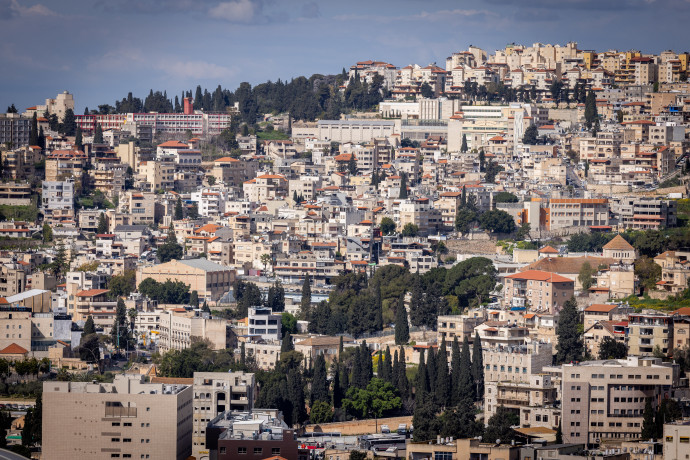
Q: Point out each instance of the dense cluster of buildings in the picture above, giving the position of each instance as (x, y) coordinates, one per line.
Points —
(354, 195)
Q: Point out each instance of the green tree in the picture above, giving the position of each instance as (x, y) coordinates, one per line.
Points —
(321, 412)
(33, 133)
(610, 348)
(120, 333)
(89, 326)
(410, 230)
(570, 346)
(295, 392)
(482, 160)
(426, 90)
(648, 425)
(478, 367)
(78, 139)
(387, 226)
(170, 249)
(287, 344)
(47, 233)
(591, 111)
(102, 227)
(265, 260)
(559, 435)
(500, 426)
(98, 134)
(319, 381)
(123, 285)
(505, 197)
(69, 125)
(443, 381)
(305, 301)
(376, 400)
(586, 276)
(402, 328)
(531, 135)
(463, 147)
(60, 262)
(424, 419)
(464, 218)
(523, 231)
(352, 165)
(466, 387)
(194, 299)
(648, 272)
(403, 186)
(288, 323)
(497, 221)
(358, 455)
(179, 213)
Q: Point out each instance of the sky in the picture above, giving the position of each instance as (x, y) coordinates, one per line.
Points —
(99, 50)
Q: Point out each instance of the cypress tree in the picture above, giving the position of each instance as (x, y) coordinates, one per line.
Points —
(179, 215)
(455, 371)
(41, 138)
(33, 134)
(98, 134)
(570, 346)
(422, 380)
(78, 140)
(402, 328)
(286, 345)
(337, 391)
(400, 377)
(378, 306)
(102, 224)
(403, 186)
(319, 382)
(357, 370)
(559, 435)
(418, 310)
(431, 367)
(465, 384)
(89, 327)
(478, 367)
(463, 147)
(591, 111)
(648, 425)
(388, 367)
(295, 390)
(443, 383)
(305, 302)
(367, 364)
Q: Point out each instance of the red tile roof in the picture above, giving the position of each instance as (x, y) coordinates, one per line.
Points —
(537, 275)
(13, 349)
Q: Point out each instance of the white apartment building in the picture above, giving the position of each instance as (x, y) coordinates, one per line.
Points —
(265, 324)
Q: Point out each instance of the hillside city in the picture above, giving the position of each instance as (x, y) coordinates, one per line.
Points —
(485, 258)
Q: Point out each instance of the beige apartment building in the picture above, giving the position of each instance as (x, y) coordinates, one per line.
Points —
(451, 326)
(233, 172)
(578, 212)
(124, 419)
(538, 290)
(648, 332)
(214, 393)
(674, 271)
(533, 401)
(15, 327)
(210, 280)
(516, 363)
(158, 175)
(604, 400)
(178, 329)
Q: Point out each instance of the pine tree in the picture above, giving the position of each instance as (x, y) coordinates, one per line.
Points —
(570, 346)
(305, 302)
(478, 367)
(443, 383)
(102, 227)
(319, 382)
(89, 327)
(402, 328)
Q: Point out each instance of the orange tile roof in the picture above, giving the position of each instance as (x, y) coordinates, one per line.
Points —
(618, 243)
(601, 308)
(91, 292)
(13, 349)
(537, 275)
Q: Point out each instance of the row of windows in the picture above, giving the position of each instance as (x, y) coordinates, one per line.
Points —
(257, 450)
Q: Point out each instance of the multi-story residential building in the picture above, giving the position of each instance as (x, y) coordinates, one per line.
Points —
(533, 401)
(54, 106)
(265, 324)
(578, 212)
(210, 201)
(57, 200)
(674, 271)
(421, 213)
(20, 163)
(233, 172)
(644, 213)
(605, 400)
(266, 187)
(355, 131)
(15, 326)
(65, 164)
(94, 303)
(141, 206)
(258, 434)
(157, 175)
(215, 393)
(178, 329)
(14, 129)
(451, 326)
(210, 280)
(515, 362)
(538, 290)
(650, 332)
(127, 418)
(295, 267)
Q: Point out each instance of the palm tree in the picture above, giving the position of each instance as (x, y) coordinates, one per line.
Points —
(132, 313)
(265, 259)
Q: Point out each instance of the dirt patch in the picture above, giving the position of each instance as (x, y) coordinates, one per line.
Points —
(458, 246)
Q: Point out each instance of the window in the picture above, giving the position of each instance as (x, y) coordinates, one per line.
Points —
(127, 440)
(114, 439)
(258, 451)
(242, 450)
(684, 439)
(222, 450)
(275, 451)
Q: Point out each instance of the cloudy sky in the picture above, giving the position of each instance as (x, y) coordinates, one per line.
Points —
(101, 49)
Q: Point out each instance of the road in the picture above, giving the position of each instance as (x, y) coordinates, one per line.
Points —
(7, 455)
